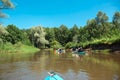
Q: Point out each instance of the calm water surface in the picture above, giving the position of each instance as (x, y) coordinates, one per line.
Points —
(35, 66)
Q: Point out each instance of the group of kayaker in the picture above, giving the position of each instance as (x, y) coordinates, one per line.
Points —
(77, 49)
(59, 51)
(78, 52)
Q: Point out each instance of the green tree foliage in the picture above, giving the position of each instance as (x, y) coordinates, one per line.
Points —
(70, 45)
(56, 30)
(50, 34)
(97, 27)
(15, 34)
(5, 4)
(62, 34)
(101, 17)
(55, 44)
(3, 33)
(25, 37)
(92, 29)
(38, 37)
(116, 19)
(102, 24)
(74, 33)
(96, 30)
(2, 30)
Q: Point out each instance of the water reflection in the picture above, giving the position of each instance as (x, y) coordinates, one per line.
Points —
(35, 66)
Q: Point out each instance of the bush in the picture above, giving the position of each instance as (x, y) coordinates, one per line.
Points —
(55, 44)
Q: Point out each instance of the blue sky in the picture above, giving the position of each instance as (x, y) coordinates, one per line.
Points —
(53, 13)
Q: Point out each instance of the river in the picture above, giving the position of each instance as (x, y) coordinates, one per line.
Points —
(35, 66)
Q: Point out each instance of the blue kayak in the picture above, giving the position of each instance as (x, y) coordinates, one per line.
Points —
(54, 77)
(81, 53)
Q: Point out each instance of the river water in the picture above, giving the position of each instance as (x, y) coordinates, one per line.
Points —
(35, 66)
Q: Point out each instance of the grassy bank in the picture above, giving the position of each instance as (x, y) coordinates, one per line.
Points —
(108, 39)
(104, 42)
(17, 48)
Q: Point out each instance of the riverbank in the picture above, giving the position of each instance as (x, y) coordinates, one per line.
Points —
(107, 47)
(17, 48)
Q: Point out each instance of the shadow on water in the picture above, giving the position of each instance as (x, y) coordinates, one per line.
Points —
(35, 66)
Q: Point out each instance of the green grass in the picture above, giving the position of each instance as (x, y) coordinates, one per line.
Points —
(28, 49)
(17, 48)
(103, 40)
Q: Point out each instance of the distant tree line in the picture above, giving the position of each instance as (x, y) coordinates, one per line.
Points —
(97, 30)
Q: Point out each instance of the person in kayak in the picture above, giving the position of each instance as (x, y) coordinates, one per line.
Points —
(80, 49)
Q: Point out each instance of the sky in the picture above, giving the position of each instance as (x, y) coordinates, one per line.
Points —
(53, 13)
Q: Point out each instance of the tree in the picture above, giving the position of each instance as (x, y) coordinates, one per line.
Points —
(38, 37)
(50, 34)
(3, 32)
(5, 4)
(25, 36)
(55, 44)
(69, 45)
(116, 19)
(101, 17)
(102, 25)
(62, 34)
(92, 30)
(74, 33)
(15, 34)
(83, 35)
